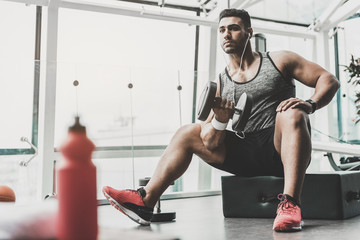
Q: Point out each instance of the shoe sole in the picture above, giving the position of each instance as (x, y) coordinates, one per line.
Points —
(290, 228)
(132, 215)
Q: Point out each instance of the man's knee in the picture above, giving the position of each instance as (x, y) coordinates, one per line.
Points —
(189, 137)
(190, 129)
(189, 132)
(294, 118)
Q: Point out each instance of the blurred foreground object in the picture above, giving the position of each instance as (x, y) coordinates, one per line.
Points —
(76, 190)
(28, 221)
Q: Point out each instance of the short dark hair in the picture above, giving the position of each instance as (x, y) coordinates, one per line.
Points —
(240, 13)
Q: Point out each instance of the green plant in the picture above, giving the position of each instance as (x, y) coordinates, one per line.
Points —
(354, 70)
(354, 74)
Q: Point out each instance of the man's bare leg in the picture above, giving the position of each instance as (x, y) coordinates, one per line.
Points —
(176, 160)
(292, 140)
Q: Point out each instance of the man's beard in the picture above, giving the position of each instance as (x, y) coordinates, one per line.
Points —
(232, 50)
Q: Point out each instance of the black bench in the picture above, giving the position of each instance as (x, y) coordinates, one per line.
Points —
(331, 195)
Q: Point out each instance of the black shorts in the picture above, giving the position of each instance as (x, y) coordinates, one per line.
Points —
(255, 155)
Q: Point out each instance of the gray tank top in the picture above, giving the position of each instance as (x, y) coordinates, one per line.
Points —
(268, 88)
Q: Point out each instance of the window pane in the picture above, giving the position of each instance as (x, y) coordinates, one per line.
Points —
(303, 12)
(349, 45)
(105, 53)
(17, 44)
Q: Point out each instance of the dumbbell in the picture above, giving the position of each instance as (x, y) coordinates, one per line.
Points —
(158, 216)
(242, 108)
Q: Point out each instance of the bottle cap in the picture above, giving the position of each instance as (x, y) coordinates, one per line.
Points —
(77, 127)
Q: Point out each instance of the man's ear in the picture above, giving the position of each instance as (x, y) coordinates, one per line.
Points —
(250, 32)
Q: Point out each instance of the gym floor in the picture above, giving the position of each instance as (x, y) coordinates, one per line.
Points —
(202, 218)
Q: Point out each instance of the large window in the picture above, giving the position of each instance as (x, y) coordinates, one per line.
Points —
(348, 44)
(106, 53)
(18, 75)
(17, 44)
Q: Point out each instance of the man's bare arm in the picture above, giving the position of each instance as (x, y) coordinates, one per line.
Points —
(313, 75)
(310, 74)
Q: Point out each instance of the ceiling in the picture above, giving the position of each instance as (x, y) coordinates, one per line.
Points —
(294, 11)
(288, 11)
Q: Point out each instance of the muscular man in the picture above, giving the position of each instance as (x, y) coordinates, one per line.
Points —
(276, 138)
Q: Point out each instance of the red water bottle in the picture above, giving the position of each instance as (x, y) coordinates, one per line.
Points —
(76, 187)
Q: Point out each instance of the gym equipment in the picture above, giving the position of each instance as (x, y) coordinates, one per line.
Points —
(346, 164)
(158, 216)
(331, 195)
(7, 194)
(242, 108)
(260, 42)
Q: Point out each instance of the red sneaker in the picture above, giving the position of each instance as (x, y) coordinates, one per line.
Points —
(130, 202)
(288, 216)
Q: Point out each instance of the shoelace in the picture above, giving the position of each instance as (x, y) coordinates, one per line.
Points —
(140, 191)
(133, 191)
(287, 205)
